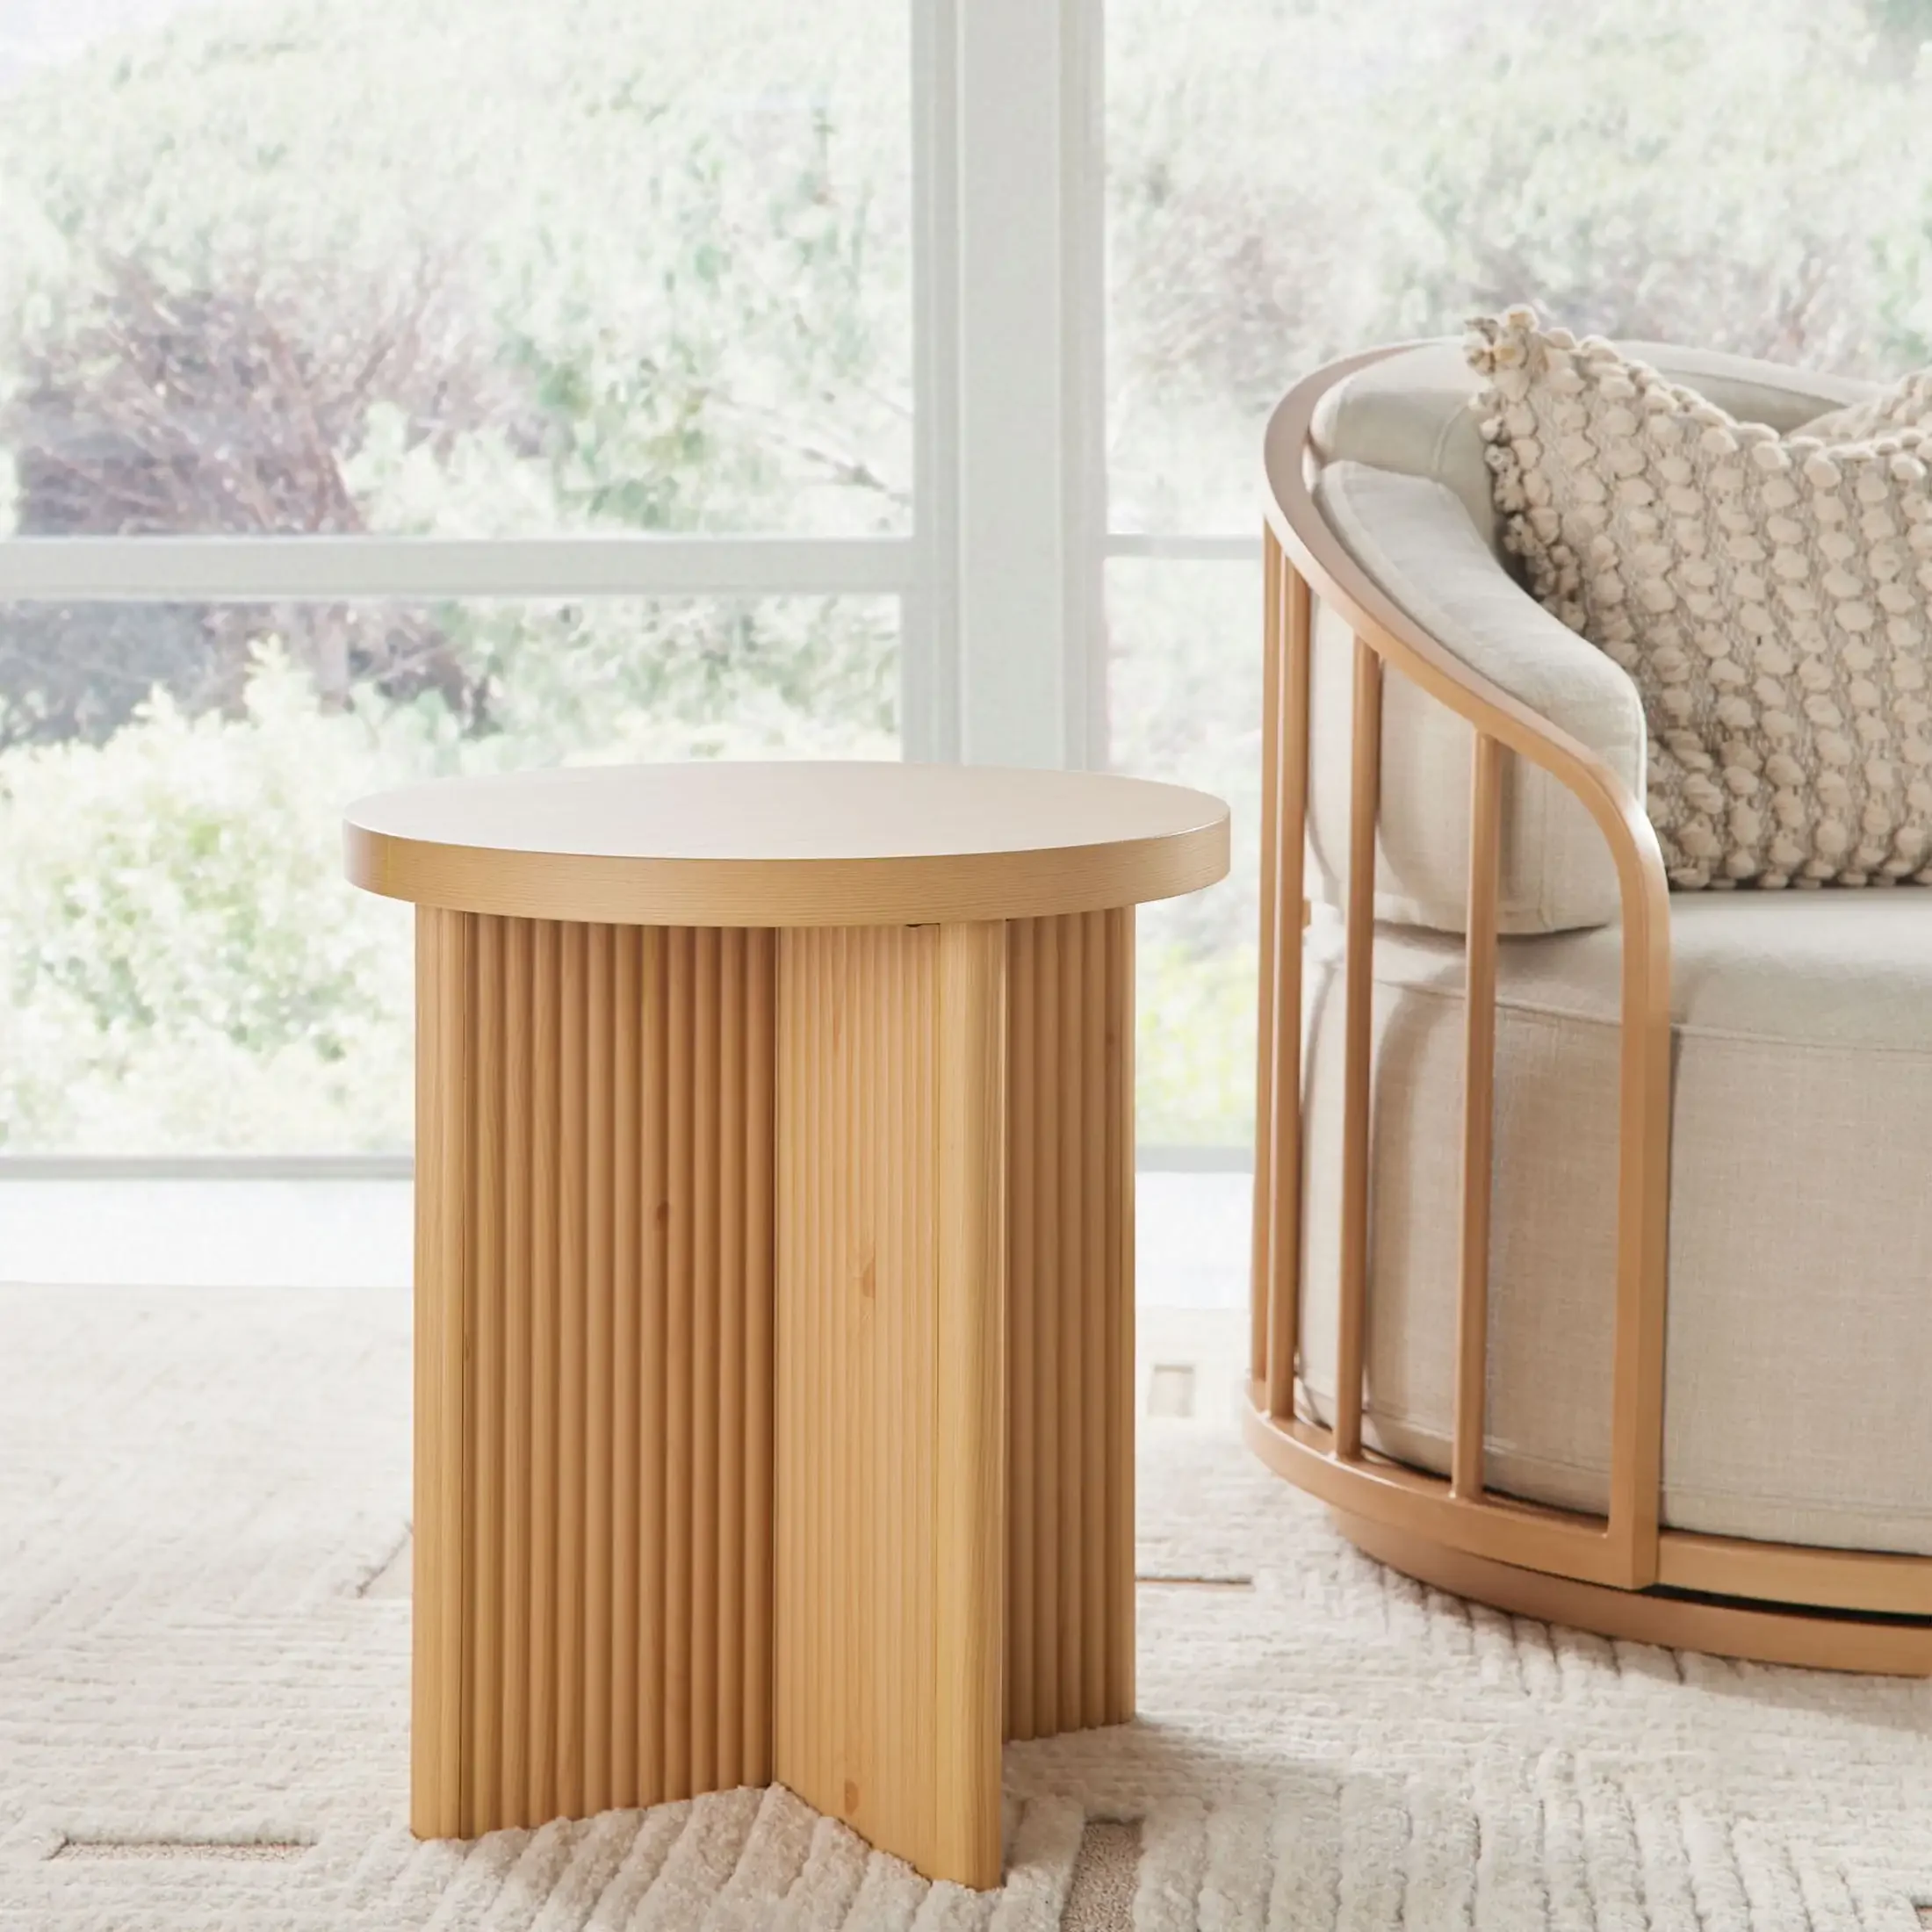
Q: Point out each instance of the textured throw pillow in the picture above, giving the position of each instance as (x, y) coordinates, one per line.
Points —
(1769, 594)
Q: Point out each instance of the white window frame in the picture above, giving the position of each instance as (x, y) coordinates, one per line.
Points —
(1000, 582)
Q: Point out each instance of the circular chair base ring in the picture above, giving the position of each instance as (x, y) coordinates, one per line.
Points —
(1762, 1633)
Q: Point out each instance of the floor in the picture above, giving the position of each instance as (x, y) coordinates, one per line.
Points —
(203, 1653)
(112, 1234)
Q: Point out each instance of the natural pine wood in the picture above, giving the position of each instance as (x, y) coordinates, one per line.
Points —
(968, 1414)
(630, 1212)
(675, 1678)
(440, 1639)
(723, 1468)
(573, 1293)
(759, 1223)
(716, 844)
(1069, 1415)
(728, 1251)
(544, 1022)
(599, 1325)
(484, 1448)
(705, 1506)
(584, 1096)
(514, 1791)
(598, 1508)
(1028, 1290)
(889, 1384)
(1118, 1299)
(652, 1646)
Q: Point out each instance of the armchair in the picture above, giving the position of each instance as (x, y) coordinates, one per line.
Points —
(1592, 1245)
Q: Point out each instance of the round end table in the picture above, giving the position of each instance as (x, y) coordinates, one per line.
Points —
(774, 1397)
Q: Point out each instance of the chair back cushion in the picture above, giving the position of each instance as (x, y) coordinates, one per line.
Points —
(1408, 416)
(1766, 592)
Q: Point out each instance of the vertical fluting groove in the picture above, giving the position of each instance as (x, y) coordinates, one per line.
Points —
(678, 1472)
(1280, 1184)
(904, 1344)
(1022, 1301)
(883, 1312)
(655, 1158)
(1071, 1391)
(485, 1408)
(829, 1555)
(890, 1211)
(932, 1024)
(728, 1716)
(760, 1132)
(796, 1483)
(1049, 1556)
(829, 1552)
(514, 1581)
(1365, 792)
(934, 1588)
(869, 1267)
(1119, 1047)
(595, 1250)
(1478, 1076)
(704, 1503)
(1095, 1283)
(1069, 1363)
(932, 1034)
(544, 1801)
(439, 1672)
(599, 1288)
(790, 1278)
(969, 1437)
(1261, 1267)
(629, 1186)
(572, 1298)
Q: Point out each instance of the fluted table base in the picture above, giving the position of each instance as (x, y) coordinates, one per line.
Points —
(774, 1365)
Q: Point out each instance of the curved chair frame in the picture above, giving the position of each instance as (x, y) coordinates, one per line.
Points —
(1624, 1575)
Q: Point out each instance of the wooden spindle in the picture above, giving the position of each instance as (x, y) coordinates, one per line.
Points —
(1261, 1273)
(1478, 1112)
(1285, 1031)
(1365, 790)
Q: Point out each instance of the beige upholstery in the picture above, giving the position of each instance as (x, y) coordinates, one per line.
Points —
(1408, 417)
(1800, 1223)
(1800, 1265)
(1416, 539)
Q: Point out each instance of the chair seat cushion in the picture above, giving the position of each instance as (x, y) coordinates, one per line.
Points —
(1800, 1246)
(1805, 969)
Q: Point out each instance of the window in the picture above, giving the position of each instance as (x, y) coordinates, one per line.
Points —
(395, 389)
(1288, 181)
(477, 269)
(406, 384)
(190, 972)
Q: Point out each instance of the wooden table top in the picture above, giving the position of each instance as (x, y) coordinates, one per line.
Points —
(806, 843)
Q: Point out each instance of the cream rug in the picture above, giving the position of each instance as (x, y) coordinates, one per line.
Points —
(203, 1657)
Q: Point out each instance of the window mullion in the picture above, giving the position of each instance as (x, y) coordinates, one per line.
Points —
(103, 569)
(1028, 242)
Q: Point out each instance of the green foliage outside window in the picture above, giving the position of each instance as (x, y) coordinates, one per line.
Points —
(476, 268)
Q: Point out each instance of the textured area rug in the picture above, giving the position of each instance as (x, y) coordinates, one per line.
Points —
(202, 1671)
